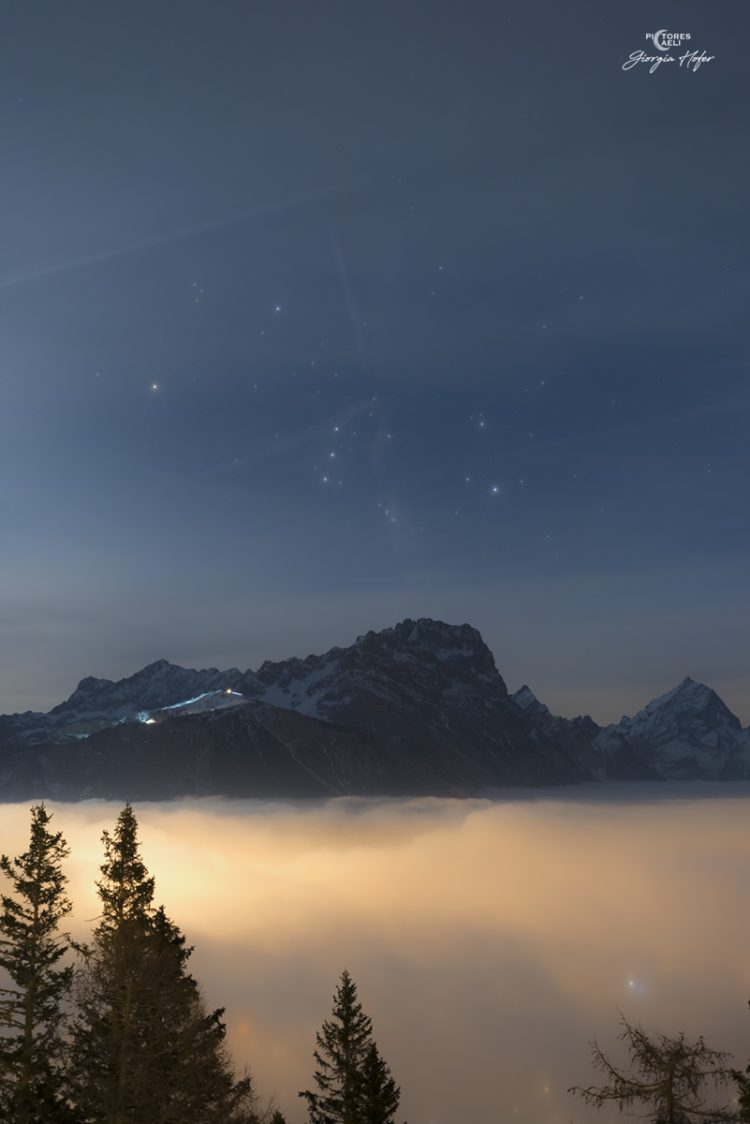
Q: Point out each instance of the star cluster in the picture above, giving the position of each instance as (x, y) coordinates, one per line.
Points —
(365, 326)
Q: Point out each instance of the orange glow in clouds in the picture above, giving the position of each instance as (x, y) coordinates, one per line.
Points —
(490, 941)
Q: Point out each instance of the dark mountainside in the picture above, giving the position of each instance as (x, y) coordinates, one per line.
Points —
(418, 709)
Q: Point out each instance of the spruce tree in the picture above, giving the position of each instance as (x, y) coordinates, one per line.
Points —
(186, 1074)
(380, 1093)
(105, 1059)
(354, 1083)
(31, 951)
(145, 1049)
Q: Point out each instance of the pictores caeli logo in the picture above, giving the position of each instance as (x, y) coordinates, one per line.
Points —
(664, 40)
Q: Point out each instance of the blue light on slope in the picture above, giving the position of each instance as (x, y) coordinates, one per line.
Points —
(188, 702)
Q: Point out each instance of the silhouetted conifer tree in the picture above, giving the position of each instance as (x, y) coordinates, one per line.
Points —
(106, 1056)
(145, 1050)
(742, 1081)
(354, 1083)
(380, 1093)
(187, 1074)
(668, 1076)
(31, 950)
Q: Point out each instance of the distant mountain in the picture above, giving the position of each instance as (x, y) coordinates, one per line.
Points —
(418, 709)
(686, 734)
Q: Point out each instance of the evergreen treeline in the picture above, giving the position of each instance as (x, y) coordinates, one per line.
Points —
(116, 1031)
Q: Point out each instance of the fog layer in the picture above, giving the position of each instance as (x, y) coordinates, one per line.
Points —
(490, 940)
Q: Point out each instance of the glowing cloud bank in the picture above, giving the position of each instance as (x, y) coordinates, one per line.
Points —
(490, 941)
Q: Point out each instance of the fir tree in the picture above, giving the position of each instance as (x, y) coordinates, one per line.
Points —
(354, 1083)
(668, 1076)
(145, 1049)
(105, 1059)
(380, 1093)
(31, 951)
(186, 1073)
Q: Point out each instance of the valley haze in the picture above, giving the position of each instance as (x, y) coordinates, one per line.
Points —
(419, 709)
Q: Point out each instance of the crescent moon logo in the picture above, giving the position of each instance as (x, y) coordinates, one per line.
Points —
(660, 46)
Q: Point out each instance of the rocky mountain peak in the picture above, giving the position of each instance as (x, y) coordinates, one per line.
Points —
(686, 732)
(458, 648)
(527, 700)
(88, 688)
(431, 635)
(157, 667)
(688, 700)
(158, 684)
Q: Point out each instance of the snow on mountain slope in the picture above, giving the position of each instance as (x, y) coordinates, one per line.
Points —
(97, 704)
(424, 697)
(157, 685)
(418, 657)
(686, 733)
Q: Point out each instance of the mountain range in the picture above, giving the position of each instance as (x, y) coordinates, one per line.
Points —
(417, 709)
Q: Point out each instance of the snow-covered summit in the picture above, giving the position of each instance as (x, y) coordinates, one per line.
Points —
(686, 732)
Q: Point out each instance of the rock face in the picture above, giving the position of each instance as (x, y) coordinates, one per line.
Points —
(574, 736)
(418, 709)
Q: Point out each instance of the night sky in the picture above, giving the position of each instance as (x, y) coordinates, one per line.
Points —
(319, 315)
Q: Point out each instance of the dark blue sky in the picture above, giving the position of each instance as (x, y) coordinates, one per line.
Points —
(316, 316)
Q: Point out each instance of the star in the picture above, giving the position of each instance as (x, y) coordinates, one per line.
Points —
(154, 386)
